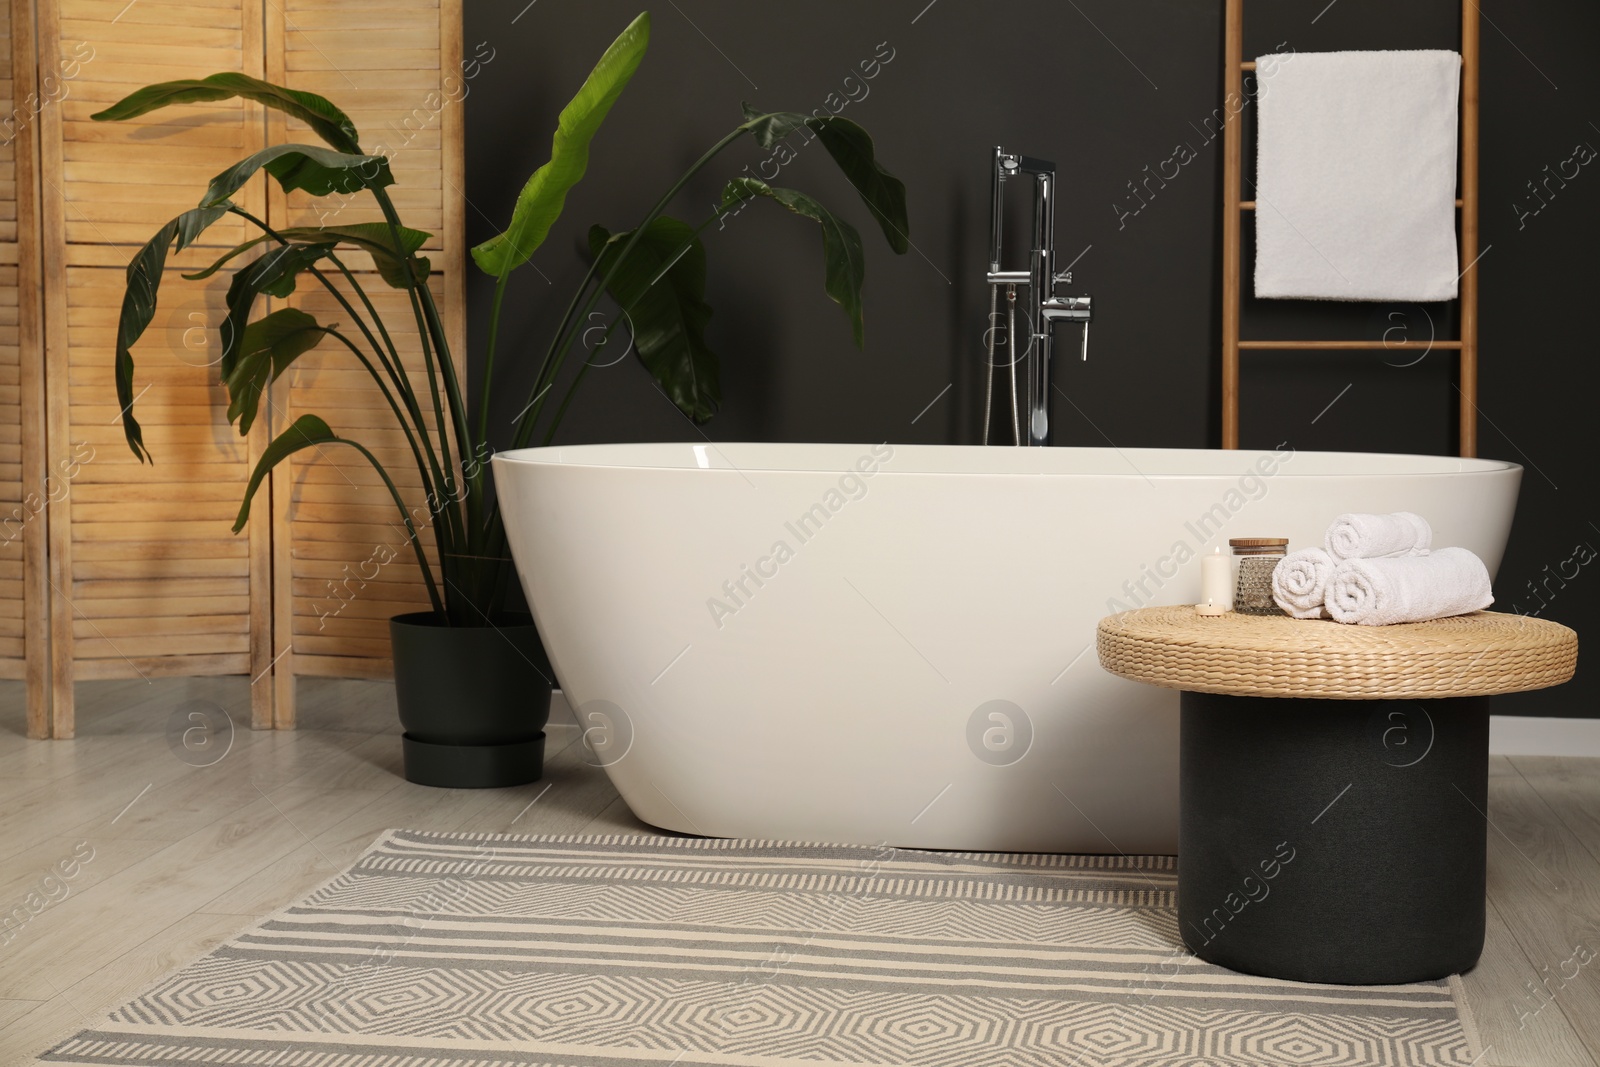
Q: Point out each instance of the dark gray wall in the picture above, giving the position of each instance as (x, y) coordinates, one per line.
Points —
(1105, 88)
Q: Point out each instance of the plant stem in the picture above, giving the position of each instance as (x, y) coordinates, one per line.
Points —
(488, 359)
(447, 364)
(472, 469)
(478, 496)
(572, 389)
(458, 410)
(416, 450)
(411, 527)
(425, 335)
(398, 370)
(431, 324)
(438, 484)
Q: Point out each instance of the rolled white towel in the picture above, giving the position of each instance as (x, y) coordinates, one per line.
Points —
(1377, 592)
(1300, 583)
(1358, 536)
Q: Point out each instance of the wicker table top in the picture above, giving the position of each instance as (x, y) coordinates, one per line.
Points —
(1480, 654)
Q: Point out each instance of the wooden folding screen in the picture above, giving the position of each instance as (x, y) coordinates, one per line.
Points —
(145, 577)
(1233, 204)
(24, 485)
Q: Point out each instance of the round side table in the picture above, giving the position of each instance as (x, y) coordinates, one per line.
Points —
(1334, 782)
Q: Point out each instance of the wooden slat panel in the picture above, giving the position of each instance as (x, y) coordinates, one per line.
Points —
(117, 628)
(342, 562)
(147, 577)
(91, 570)
(342, 648)
(346, 667)
(163, 666)
(24, 488)
(15, 516)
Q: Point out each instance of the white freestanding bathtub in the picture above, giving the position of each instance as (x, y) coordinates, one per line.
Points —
(895, 644)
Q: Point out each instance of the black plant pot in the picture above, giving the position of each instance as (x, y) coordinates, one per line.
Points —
(474, 700)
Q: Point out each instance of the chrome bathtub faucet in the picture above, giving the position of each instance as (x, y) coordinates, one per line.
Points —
(1043, 308)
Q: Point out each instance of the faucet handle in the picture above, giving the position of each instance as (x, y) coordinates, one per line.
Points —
(1067, 309)
(1063, 277)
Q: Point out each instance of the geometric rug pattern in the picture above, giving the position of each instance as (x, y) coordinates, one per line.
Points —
(483, 950)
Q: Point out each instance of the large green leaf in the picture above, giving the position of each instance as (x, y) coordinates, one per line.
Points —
(844, 264)
(327, 121)
(543, 197)
(270, 345)
(373, 238)
(883, 193)
(139, 305)
(661, 284)
(851, 148)
(319, 171)
(273, 274)
(308, 431)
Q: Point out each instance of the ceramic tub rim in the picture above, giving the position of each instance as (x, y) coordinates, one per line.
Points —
(618, 456)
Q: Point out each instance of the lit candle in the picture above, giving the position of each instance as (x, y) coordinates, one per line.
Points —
(1216, 584)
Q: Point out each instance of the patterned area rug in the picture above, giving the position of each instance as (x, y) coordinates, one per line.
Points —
(472, 950)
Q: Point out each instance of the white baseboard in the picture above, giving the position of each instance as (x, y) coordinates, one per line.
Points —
(560, 711)
(1526, 735)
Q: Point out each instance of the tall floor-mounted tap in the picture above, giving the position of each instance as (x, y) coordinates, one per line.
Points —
(1030, 420)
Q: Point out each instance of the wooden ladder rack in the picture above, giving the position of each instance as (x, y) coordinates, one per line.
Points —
(1233, 207)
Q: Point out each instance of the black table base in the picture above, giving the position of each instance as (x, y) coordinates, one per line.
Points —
(1334, 841)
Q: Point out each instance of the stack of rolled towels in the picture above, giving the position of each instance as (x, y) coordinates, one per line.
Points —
(1374, 570)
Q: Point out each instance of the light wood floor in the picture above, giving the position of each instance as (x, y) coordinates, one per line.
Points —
(184, 856)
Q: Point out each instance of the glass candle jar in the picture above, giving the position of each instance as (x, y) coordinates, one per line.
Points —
(1257, 558)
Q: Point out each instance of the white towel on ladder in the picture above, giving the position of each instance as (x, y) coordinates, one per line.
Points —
(1356, 176)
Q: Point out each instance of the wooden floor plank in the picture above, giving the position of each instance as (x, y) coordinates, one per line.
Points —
(72, 940)
(104, 797)
(59, 868)
(30, 1034)
(12, 1010)
(1546, 886)
(1571, 789)
(198, 796)
(123, 978)
(1545, 1038)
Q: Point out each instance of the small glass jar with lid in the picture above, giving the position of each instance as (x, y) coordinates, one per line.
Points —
(1257, 557)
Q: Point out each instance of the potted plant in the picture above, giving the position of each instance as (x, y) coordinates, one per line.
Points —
(473, 685)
